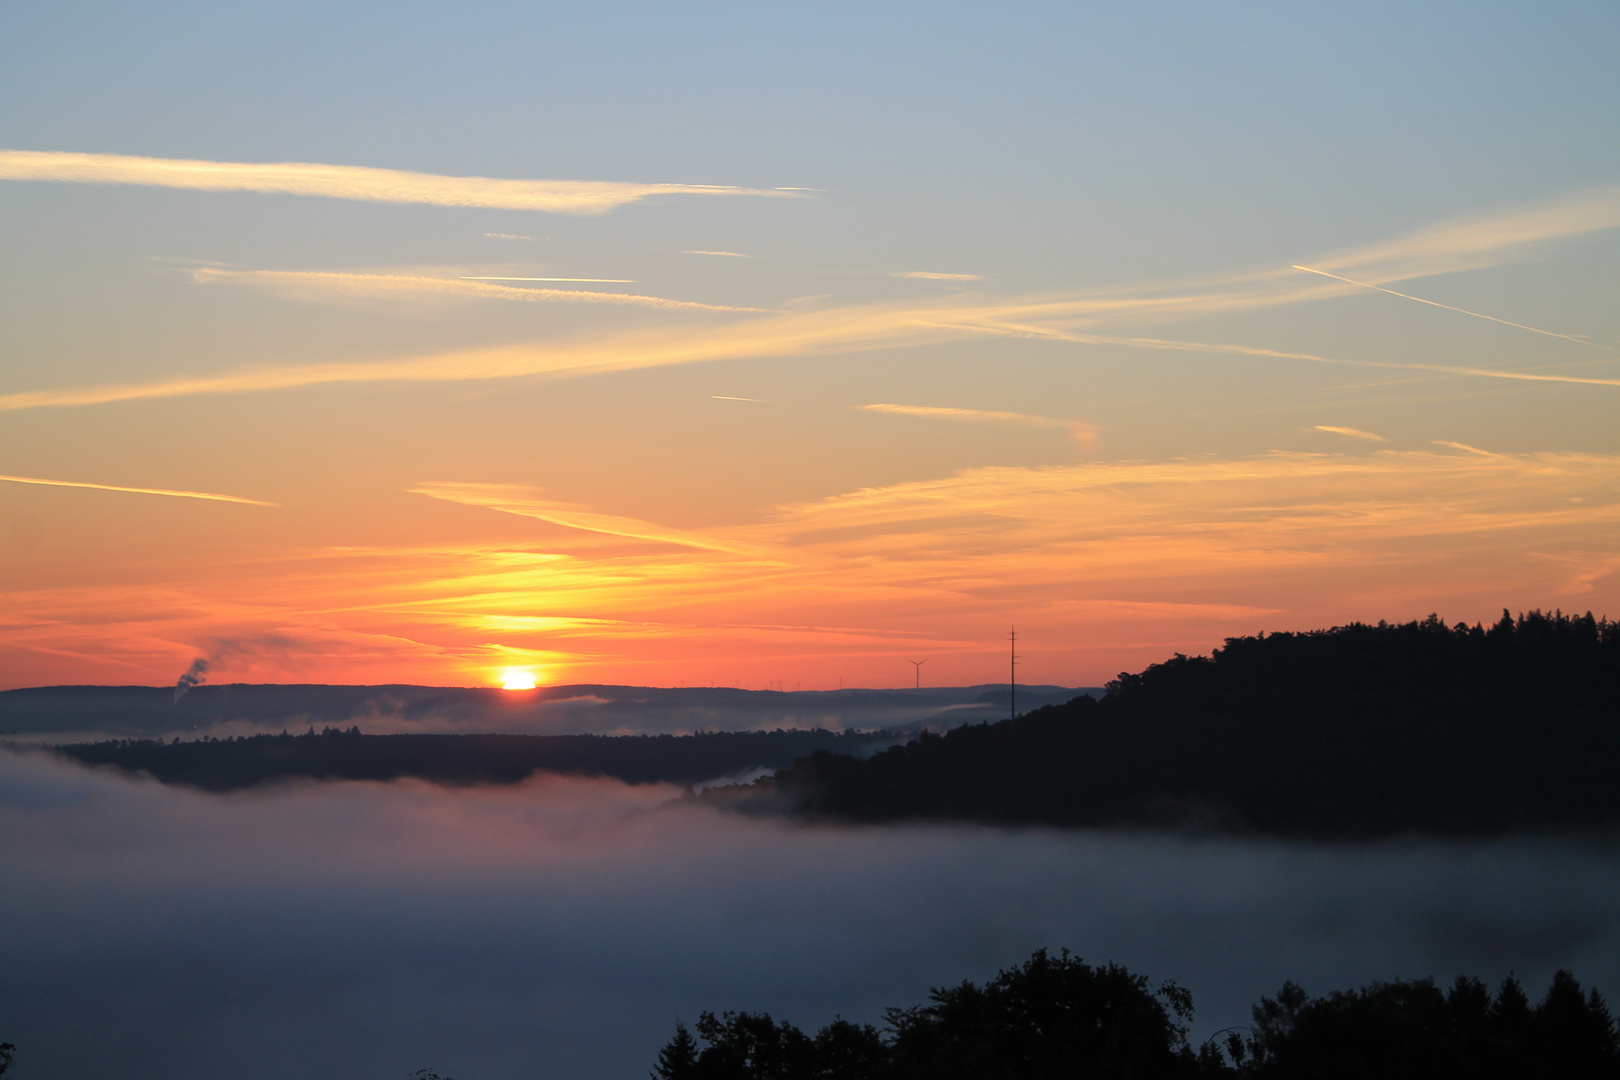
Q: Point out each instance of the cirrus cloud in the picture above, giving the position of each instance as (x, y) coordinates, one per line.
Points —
(1077, 318)
(326, 285)
(349, 182)
(169, 492)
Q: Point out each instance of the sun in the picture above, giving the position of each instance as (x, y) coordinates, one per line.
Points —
(517, 679)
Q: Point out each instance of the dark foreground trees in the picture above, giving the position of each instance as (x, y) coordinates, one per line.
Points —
(1400, 1030)
(1056, 1016)
(1052, 1016)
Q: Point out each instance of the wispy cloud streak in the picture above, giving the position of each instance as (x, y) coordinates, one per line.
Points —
(598, 280)
(1466, 448)
(1448, 307)
(329, 284)
(1349, 432)
(349, 182)
(1480, 240)
(211, 496)
(519, 500)
(982, 415)
(1082, 318)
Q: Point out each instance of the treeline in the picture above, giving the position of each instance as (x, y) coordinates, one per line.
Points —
(334, 754)
(1356, 732)
(1058, 1017)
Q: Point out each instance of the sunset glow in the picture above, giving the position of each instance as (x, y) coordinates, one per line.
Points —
(560, 541)
(438, 405)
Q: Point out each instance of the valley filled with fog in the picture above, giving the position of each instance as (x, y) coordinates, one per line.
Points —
(559, 928)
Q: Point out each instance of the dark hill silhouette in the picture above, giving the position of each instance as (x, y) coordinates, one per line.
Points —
(460, 760)
(1356, 732)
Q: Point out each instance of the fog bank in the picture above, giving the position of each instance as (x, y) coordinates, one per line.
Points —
(558, 929)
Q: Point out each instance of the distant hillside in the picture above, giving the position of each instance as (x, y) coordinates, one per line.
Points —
(84, 712)
(1356, 732)
(459, 760)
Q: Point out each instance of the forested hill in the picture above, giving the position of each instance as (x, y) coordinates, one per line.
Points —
(1355, 732)
(226, 764)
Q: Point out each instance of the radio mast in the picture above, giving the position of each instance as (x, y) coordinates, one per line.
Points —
(1012, 674)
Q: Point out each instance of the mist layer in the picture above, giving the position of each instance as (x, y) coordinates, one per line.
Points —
(559, 928)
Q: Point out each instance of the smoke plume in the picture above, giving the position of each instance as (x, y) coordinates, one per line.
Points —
(196, 673)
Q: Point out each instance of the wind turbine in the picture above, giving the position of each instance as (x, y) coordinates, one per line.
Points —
(918, 665)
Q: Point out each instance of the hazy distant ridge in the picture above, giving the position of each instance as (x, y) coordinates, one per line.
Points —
(586, 708)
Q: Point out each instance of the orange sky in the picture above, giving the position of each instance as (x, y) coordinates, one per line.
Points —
(379, 395)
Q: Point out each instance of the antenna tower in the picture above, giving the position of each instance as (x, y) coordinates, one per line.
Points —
(1012, 674)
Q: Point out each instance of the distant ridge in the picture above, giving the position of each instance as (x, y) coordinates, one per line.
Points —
(464, 760)
(81, 712)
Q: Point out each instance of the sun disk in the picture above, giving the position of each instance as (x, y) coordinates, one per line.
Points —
(517, 680)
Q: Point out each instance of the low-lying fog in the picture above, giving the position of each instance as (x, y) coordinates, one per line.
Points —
(559, 928)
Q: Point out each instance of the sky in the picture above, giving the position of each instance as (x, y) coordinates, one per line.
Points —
(750, 345)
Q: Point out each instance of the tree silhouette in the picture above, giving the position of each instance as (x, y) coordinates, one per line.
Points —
(1053, 1016)
(1050, 1017)
(1412, 1031)
(678, 1059)
(1057, 1017)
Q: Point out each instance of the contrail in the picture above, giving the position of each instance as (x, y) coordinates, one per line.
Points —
(604, 280)
(728, 397)
(1448, 307)
(137, 490)
(1015, 330)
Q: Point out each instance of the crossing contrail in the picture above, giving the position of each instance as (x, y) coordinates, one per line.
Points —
(137, 490)
(1448, 307)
